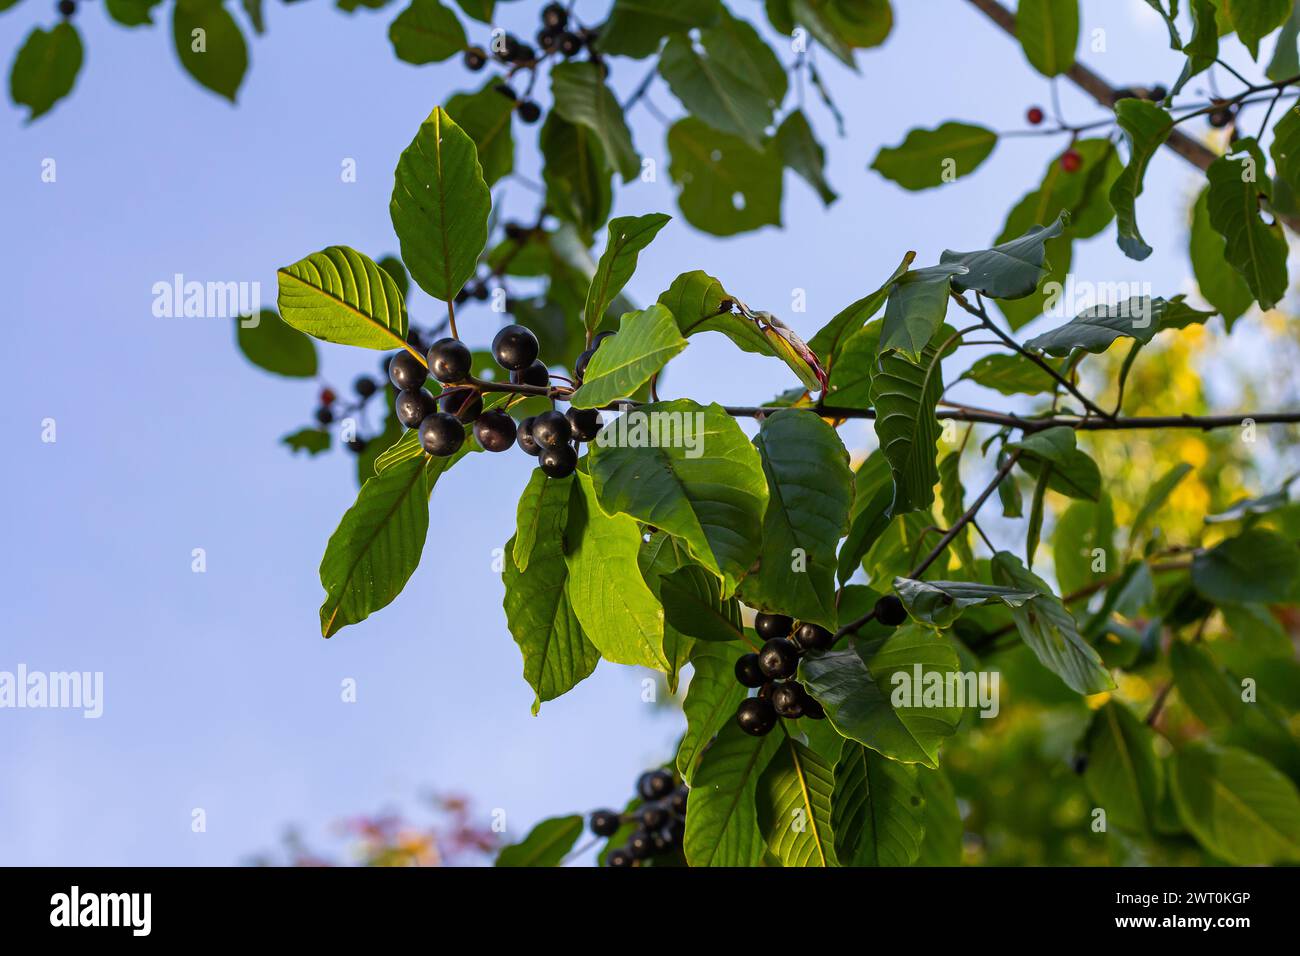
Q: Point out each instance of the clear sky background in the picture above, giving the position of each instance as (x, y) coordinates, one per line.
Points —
(219, 692)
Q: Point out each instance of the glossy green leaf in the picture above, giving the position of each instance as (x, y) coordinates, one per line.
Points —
(1236, 805)
(426, 32)
(832, 337)
(1262, 505)
(941, 844)
(1050, 630)
(1286, 56)
(1009, 270)
(1255, 19)
(905, 396)
(273, 345)
(578, 187)
(916, 308)
(635, 28)
(1048, 31)
(1207, 690)
(1010, 374)
(45, 68)
(1203, 47)
(668, 570)
(873, 495)
(1156, 496)
(849, 382)
(1146, 126)
(485, 116)
(628, 235)
(1219, 283)
(711, 701)
(929, 158)
(878, 812)
(689, 470)
(210, 45)
(1123, 775)
(726, 185)
(582, 98)
(858, 693)
(311, 440)
(339, 295)
(645, 341)
(546, 844)
(1084, 528)
(440, 206)
(940, 603)
(1255, 248)
(721, 822)
(616, 608)
(1073, 473)
(801, 152)
(793, 800)
(1257, 566)
(136, 13)
(1096, 328)
(693, 605)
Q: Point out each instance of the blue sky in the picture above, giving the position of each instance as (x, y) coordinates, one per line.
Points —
(219, 691)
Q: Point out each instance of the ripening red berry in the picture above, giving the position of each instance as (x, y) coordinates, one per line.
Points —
(1071, 161)
(1034, 116)
(327, 396)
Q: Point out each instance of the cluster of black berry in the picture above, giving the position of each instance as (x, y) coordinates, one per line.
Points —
(554, 37)
(661, 819)
(67, 8)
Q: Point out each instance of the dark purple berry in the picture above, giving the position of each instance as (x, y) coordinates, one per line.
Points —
(524, 436)
(890, 611)
(552, 429)
(441, 434)
(407, 371)
(413, 406)
(779, 658)
(465, 403)
(449, 361)
(495, 430)
(787, 700)
(585, 423)
(604, 823)
(748, 672)
(557, 462)
(515, 347)
(536, 374)
(813, 637)
(772, 625)
(655, 784)
(756, 717)
(619, 858)
(529, 112)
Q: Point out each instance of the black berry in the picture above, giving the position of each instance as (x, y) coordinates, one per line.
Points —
(449, 360)
(535, 374)
(1079, 764)
(475, 59)
(465, 404)
(548, 39)
(655, 784)
(677, 802)
(580, 363)
(524, 436)
(441, 434)
(407, 371)
(585, 423)
(481, 292)
(554, 15)
(1220, 118)
(529, 111)
(772, 625)
(787, 699)
(413, 405)
(653, 816)
(552, 430)
(640, 844)
(813, 637)
(604, 823)
(570, 44)
(357, 446)
(779, 658)
(812, 708)
(365, 386)
(673, 832)
(324, 415)
(515, 347)
(619, 858)
(67, 7)
(495, 430)
(890, 611)
(748, 672)
(756, 717)
(557, 462)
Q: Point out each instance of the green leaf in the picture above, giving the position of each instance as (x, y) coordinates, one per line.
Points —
(1207, 691)
(711, 702)
(849, 383)
(905, 396)
(1048, 31)
(727, 186)
(1257, 566)
(1073, 473)
(426, 32)
(1236, 805)
(878, 813)
(1220, 284)
(810, 489)
(367, 460)
(1286, 57)
(617, 610)
(1123, 775)
(1083, 529)
(377, 545)
(546, 844)
(45, 68)
(844, 25)
(1009, 270)
(1096, 328)
(1010, 374)
(485, 118)
(440, 206)
(1262, 505)
(645, 341)
(940, 603)
(1256, 249)
(732, 81)
(582, 98)
(793, 801)
(557, 655)
(916, 308)
(1146, 127)
(942, 843)
(688, 470)
(694, 606)
(1255, 19)
(1203, 48)
(311, 440)
(952, 497)
(480, 10)
(832, 337)
(339, 295)
(134, 13)
(578, 187)
(1156, 496)
(873, 494)
(929, 158)
(210, 45)
(857, 693)
(275, 346)
(721, 823)
(801, 152)
(636, 27)
(628, 235)
(663, 559)
(1175, 41)
(1050, 630)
